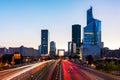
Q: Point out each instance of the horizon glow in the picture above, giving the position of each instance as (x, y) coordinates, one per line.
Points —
(21, 21)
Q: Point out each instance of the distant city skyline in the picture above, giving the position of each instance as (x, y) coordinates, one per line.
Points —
(21, 21)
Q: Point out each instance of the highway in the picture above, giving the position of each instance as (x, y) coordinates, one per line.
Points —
(18, 73)
(55, 70)
(97, 75)
(9, 73)
(72, 71)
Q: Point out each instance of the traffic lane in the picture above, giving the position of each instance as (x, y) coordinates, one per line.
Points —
(80, 75)
(53, 69)
(27, 72)
(86, 75)
(72, 71)
(2, 73)
(98, 74)
(66, 75)
(11, 73)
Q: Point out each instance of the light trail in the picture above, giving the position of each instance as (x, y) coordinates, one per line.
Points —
(72, 72)
(17, 72)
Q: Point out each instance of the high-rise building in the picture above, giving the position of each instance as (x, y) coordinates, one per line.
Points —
(44, 42)
(92, 36)
(52, 48)
(69, 47)
(92, 32)
(74, 49)
(76, 36)
(40, 49)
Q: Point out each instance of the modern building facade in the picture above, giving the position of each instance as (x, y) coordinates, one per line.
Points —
(40, 49)
(24, 51)
(28, 54)
(69, 47)
(52, 48)
(92, 36)
(74, 48)
(44, 42)
(92, 32)
(76, 36)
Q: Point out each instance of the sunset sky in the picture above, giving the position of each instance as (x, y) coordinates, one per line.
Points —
(21, 21)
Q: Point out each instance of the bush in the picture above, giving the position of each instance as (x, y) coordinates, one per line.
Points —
(108, 66)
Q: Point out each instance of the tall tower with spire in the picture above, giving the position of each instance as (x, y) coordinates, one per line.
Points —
(92, 32)
(89, 15)
(92, 35)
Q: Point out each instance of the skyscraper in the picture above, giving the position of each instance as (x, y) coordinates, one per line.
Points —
(92, 36)
(76, 36)
(40, 49)
(44, 42)
(52, 48)
(69, 47)
(92, 32)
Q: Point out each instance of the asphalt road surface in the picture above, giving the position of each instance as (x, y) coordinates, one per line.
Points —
(12, 73)
(72, 71)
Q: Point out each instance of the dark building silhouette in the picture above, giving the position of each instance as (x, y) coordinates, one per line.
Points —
(2, 52)
(52, 48)
(44, 42)
(40, 49)
(76, 36)
(24, 51)
(69, 47)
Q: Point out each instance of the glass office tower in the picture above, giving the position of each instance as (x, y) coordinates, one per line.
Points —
(76, 36)
(44, 41)
(92, 36)
(92, 32)
(52, 48)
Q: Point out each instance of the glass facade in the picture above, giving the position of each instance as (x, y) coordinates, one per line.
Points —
(52, 48)
(92, 32)
(92, 37)
(44, 41)
(76, 36)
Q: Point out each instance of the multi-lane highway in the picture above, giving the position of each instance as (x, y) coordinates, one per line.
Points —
(72, 71)
(53, 70)
(19, 73)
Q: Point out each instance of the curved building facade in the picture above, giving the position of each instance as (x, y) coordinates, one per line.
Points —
(92, 36)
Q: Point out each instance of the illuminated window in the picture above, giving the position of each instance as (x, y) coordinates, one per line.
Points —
(89, 33)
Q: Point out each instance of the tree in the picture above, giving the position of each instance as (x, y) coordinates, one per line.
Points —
(7, 58)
